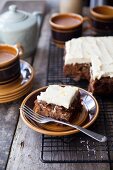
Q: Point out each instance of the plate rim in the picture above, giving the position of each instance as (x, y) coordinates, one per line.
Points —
(53, 133)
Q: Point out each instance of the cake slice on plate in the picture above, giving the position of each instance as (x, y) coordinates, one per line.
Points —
(59, 102)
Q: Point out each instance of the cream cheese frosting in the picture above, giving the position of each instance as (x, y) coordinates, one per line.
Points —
(61, 96)
(75, 50)
(95, 50)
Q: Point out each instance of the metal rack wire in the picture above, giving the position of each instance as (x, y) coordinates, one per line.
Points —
(77, 148)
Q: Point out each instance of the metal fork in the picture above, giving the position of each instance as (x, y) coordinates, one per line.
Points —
(42, 119)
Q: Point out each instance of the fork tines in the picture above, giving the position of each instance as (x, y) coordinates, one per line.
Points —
(30, 113)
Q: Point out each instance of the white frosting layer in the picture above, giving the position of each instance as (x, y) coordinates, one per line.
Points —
(95, 50)
(75, 50)
(61, 96)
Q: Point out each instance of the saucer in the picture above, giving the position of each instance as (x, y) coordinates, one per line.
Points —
(15, 97)
(85, 119)
(19, 87)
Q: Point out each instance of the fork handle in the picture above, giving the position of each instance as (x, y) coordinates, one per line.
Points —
(96, 136)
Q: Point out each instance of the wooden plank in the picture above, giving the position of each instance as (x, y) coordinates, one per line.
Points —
(24, 134)
(26, 148)
(9, 112)
(8, 121)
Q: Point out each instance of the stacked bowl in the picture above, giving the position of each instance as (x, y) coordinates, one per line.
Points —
(102, 18)
(16, 76)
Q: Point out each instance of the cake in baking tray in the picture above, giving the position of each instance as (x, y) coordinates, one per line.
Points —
(77, 63)
(59, 102)
(91, 58)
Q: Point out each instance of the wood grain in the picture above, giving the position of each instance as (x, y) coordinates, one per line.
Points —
(9, 112)
(18, 159)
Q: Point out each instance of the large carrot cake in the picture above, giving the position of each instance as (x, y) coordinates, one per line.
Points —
(91, 58)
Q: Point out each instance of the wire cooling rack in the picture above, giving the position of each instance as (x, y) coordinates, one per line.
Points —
(77, 148)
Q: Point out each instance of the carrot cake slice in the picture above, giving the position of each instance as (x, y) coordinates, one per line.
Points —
(77, 60)
(59, 102)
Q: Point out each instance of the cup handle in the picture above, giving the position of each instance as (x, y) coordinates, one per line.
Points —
(89, 25)
(20, 49)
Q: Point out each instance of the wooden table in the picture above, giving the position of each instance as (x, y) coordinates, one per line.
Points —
(19, 145)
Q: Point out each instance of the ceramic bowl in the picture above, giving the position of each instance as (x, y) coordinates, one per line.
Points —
(102, 18)
(65, 26)
(84, 119)
(102, 12)
(9, 63)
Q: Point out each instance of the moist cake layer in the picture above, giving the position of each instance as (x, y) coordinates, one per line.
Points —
(103, 86)
(78, 71)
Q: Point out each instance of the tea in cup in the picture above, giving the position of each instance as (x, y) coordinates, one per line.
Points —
(102, 18)
(9, 63)
(65, 26)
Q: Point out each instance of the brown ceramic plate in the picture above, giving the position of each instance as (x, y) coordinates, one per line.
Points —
(21, 83)
(84, 119)
(15, 96)
(16, 93)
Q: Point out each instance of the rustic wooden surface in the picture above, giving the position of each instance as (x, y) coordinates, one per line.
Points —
(9, 112)
(19, 145)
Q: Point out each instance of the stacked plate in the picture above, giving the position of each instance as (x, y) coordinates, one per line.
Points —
(18, 88)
